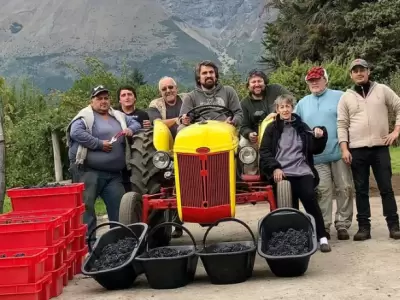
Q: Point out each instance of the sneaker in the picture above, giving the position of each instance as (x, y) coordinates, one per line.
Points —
(394, 232)
(342, 234)
(363, 233)
(177, 233)
(325, 248)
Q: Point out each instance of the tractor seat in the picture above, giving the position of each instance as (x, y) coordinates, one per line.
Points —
(251, 178)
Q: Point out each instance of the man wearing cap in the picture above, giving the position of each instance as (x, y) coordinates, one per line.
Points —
(260, 99)
(364, 138)
(316, 109)
(94, 158)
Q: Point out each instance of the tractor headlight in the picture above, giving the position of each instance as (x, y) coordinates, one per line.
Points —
(247, 155)
(161, 160)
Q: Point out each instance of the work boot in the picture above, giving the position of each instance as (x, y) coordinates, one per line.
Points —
(363, 233)
(394, 231)
(178, 232)
(342, 234)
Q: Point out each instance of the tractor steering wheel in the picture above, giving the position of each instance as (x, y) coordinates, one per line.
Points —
(199, 112)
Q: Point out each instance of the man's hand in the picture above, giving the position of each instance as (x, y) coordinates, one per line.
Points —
(253, 137)
(318, 133)
(107, 146)
(185, 120)
(346, 156)
(271, 116)
(390, 138)
(229, 121)
(146, 124)
(128, 132)
(278, 175)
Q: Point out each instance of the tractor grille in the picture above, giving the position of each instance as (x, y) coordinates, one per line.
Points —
(204, 179)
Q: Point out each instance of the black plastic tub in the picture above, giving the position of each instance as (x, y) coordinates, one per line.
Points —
(169, 272)
(228, 267)
(283, 219)
(123, 276)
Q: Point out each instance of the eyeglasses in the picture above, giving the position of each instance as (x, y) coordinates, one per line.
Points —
(170, 87)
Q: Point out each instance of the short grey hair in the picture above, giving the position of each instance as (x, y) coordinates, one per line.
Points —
(166, 77)
(285, 98)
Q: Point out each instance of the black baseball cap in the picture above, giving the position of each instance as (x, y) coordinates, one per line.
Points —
(98, 89)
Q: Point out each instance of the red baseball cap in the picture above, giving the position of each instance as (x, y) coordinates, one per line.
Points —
(316, 73)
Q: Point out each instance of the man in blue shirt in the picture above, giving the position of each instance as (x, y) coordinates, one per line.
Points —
(95, 158)
(320, 108)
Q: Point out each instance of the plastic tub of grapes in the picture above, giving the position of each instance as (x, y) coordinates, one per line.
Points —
(111, 261)
(287, 240)
(169, 267)
(229, 262)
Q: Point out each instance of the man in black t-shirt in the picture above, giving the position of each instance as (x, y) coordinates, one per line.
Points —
(127, 104)
(127, 99)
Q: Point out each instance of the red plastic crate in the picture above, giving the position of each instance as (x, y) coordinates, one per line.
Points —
(22, 270)
(45, 232)
(77, 219)
(70, 262)
(69, 241)
(30, 291)
(80, 258)
(67, 196)
(57, 284)
(80, 238)
(66, 214)
(55, 258)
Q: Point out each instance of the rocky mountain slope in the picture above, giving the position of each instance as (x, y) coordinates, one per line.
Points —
(160, 37)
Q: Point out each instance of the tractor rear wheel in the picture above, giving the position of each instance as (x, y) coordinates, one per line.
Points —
(147, 179)
(284, 194)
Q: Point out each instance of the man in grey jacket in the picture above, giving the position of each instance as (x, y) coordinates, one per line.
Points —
(209, 91)
(94, 158)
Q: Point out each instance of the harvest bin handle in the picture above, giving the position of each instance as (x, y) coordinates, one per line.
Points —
(227, 220)
(288, 209)
(110, 223)
(152, 231)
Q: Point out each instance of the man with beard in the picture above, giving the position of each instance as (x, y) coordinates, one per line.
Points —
(168, 106)
(260, 99)
(364, 138)
(209, 91)
(126, 96)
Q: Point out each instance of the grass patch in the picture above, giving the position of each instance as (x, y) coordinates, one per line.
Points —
(395, 156)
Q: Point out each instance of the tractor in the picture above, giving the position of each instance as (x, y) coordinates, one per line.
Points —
(194, 176)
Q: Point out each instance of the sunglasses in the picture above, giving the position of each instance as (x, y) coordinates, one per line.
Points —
(170, 87)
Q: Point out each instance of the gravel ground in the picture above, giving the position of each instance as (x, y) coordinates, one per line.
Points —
(353, 270)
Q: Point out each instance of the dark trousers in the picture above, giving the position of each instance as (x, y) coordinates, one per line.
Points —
(377, 158)
(126, 180)
(99, 183)
(303, 189)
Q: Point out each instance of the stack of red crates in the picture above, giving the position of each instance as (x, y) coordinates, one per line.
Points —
(42, 241)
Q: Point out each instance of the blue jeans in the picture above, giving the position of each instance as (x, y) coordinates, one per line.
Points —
(107, 185)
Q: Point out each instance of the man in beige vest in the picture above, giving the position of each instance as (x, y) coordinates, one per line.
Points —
(364, 138)
(167, 109)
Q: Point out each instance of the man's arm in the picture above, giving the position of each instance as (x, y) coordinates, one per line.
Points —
(187, 105)
(132, 124)
(245, 128)
(393, 102)
(343, 124)
(80, 135)
(234, 106)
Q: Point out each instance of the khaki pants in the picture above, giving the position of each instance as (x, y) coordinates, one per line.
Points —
(251, 169)
(336, 180)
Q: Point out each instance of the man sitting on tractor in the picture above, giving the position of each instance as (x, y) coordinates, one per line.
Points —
(257, 105)
(168, 106)
(286, 153)
(209, 91)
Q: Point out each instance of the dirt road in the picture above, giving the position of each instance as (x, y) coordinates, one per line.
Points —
(353, 270)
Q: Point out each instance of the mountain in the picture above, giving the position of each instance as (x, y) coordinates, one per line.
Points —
(159, 37)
